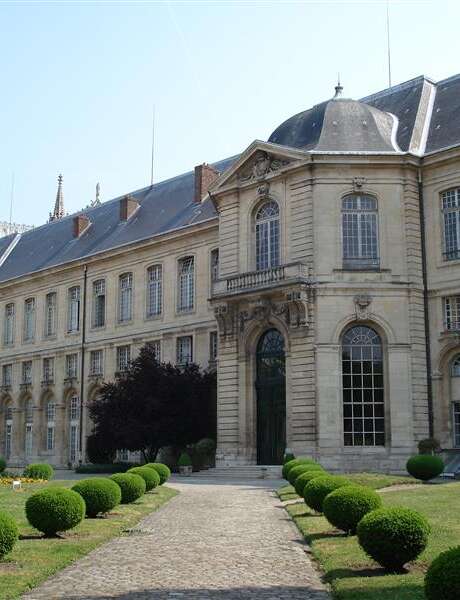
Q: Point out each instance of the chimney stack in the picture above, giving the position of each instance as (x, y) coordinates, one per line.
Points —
(128, 206)
(205, 175)
(80, 224)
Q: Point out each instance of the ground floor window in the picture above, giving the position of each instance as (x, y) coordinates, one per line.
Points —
(29, 439)
(73, 443)
(456, 417)
(363, 393)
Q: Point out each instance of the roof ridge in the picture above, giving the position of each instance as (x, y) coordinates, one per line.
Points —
(396, 88)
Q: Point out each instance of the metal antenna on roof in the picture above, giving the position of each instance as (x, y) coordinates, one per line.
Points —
(11, 199)
(388, 43)
(153, 145)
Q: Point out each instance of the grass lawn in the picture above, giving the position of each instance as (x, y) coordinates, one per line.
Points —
(35, 558)
(354, 576)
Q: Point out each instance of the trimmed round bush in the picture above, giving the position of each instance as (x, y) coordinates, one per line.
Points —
(55, 509)
(148, 474)
(100, 494)
(39, 471)
(295, 463)
(184, 460)
(299, 469)
(163, 471)
(425, 466)
(316, 490)
(442, 581)
(306, 477)
(2, 464)
(393, 536)
(132, 486)
(9, 534)
(345, 507)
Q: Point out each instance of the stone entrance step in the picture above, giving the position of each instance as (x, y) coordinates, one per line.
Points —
(242, 472)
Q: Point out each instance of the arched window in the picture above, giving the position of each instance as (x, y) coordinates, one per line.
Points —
(360, 232)
(455, 368)
(362, 381)
(267, 236)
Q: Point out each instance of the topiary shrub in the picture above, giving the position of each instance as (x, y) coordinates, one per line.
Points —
(55, 509)
(8, 534)
(39, 471)
(149, 475)
(442, 581)
(184, 460)
(295, 463)
(299, 469)
(288, 457)
(163, 471)
(305, 477)
(132, 486)
(425, 466)
(344, 508)
(2, 464)
(316, 490)
(393, 536)
(100, 494)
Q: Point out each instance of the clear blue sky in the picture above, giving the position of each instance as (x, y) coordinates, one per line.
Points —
(79, 80)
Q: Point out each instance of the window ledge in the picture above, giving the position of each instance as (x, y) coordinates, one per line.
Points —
(361, 270)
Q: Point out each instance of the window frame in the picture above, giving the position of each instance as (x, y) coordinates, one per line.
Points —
(120, 367)
(190, 306)
(50, 315)
(73, 314)
(95, 309)
(92, 354)
(447, 210)
(257, 223)
(362, 261)
(128, 275)
(451, 313)
(158, 283)
(29, 320)
(179, 361)
(9, 324)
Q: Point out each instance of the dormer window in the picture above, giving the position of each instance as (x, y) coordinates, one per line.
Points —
(267, 236)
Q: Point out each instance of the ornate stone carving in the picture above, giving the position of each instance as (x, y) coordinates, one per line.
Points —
(362, 303)
(358, 182)
(263, 189)
(261, 165)
(225, 317)
(297, 305)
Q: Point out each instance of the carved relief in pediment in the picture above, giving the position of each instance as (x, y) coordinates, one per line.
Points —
(260, 165)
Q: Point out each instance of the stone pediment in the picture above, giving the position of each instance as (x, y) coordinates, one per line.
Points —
(256, 164)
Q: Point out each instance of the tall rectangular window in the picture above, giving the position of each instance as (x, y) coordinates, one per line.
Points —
(456, 419)
(359, 232)
(154, 290)
(71, 366)
(50, 425)
(29, 319)
(452, 313)
(98, 303)
(29, 440)
(213, 346)
(73, 316)
(8, 431)
(125, 308)
(7, 375)
(123, 358)
(450, 201)
(186, 284)
(8, 336)
(74, 408)
(95, 362)
(27, 372)
(50, 437)
(214, 265)
(184, 350)
(48, 370)
(156, 347)
(50, 314)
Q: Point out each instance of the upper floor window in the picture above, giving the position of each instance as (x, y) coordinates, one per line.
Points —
(98, 319)
(74, 408)
(154, 290)
(125, 308)
(451, 216)
(29, 319)
(27, 372)
(184, 350)
(95, 362)
(7, 375)
(29, 411)
(73, 320)
(186, 284)
(8, 337)
(455, 368)
(215, 264)
(71, 365)
(452, 313)
(48, 370)
(50, 314)
(123, 358)
(360, 232)
(213, 346)
(267, 236)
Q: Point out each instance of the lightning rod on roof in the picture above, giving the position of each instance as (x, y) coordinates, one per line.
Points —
(11, 198)
(153, 145)
(388, 43)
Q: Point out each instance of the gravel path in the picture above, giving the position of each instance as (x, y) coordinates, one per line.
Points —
(216, 540)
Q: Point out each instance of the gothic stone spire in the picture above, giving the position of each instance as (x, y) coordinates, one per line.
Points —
(58, 212)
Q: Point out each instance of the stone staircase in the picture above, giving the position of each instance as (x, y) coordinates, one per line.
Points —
(241, 472)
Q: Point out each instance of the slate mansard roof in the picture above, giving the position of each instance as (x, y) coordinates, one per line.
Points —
(418, 116)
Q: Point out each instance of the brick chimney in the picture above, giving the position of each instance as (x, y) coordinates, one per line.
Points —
(205, 175)
(80, 224)
(128, 206)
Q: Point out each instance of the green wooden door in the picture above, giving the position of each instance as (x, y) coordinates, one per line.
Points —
(271, 399)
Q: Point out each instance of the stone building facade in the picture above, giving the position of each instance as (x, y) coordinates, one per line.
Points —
(318, 271)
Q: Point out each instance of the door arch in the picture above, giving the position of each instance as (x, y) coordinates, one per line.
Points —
(271, 398)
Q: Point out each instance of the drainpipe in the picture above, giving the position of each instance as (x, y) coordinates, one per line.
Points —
(82, 362)
(429, 382)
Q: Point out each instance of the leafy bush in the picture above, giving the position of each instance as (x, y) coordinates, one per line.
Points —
(132, 486)
(2, 464)
(8, 534)
(288, 457)
(55, 509)
(305, 477)
(299, 469)
(106, 468)
(97, 452)
(393, 536)
(39, 471)
(184, 460)
(295, 463)
(429, 446)
(442, 581)
(344, 508)
(205, 446)
(101, 495)
(316, 490)
(149, 475)
(425, 466)
(163, 471)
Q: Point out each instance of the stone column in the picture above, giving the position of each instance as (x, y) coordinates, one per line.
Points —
(329, 402)
(399, 398)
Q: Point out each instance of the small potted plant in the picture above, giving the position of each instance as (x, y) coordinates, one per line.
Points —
(185, 464)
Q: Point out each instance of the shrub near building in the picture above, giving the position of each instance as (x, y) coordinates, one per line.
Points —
(295, 463)
(100, 494)
(425, 466)
(442, 581)
(39, 471)
(316, 490)
(132, 486)
(55, 509)
(149, 475)
(303, 468)
(163, 471)
(8, 534)
(345, 507)
(304, 478)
